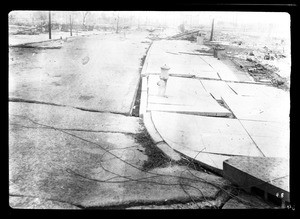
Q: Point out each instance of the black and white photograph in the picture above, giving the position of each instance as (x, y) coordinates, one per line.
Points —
(146, 110)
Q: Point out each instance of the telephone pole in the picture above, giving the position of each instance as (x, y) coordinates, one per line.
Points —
(212, 30)
(70, 25)
(49, 25)
(117, 31)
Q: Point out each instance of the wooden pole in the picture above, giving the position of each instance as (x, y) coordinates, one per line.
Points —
(117, 31)
(70, 25)
(49, 25)
(212, 30)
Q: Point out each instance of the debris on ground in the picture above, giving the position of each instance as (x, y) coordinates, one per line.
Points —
(260, 72)
(188, 35)
(237, 42)
(51, 44)
(266, 58)
(219, 47)
(85, 60)
(23, 30)
(263, 61)
(146, 41)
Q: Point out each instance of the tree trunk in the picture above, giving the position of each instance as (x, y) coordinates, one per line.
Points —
(70, 25)
(117, 31)
(84, 18)
(212, 30)
(49, 25)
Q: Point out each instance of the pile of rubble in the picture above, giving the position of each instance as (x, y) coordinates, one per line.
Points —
(259, 65)
(188, 35)
(261, 59)
(23, 30)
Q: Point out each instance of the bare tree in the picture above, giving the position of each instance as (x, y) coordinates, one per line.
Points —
(11, 17)
(84, 16)
(41, 16)
(70, 24)
(49, 25)
(212, 30)
(181, 27)
(117, 31)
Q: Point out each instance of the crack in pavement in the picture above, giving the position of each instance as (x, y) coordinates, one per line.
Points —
(80, 130)
(121, 205)
(108, 151)
(13, 99)
(200, 203)
(124, 205)
(145, 204)
(46, 199)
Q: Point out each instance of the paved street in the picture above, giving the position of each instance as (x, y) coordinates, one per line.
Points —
(92, 72)
(66, 158)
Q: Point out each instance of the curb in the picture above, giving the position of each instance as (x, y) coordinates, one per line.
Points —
(168, 150)
(143, 72)
(153, 132)
(144, 88)
(28, 44)
(134, 97)
(144, 97)
(157, 139)
(146, 116)
(141, 80)
(150, 127)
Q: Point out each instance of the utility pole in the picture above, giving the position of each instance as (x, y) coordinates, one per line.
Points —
(49, 25)
(212, 30)
(138, 22)
(70, 25)
(117, 31)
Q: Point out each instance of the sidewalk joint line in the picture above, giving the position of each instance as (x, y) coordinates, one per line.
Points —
(251, 138)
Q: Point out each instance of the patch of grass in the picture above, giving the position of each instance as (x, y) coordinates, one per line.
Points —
(156, 158)
(142, 60)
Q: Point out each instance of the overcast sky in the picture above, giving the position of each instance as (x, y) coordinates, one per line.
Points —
(241, 17)
(174, 18)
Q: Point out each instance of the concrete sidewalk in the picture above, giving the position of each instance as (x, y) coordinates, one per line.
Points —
(209, 112)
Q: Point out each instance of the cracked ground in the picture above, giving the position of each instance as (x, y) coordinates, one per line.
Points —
(76, 159)
(73, 143)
